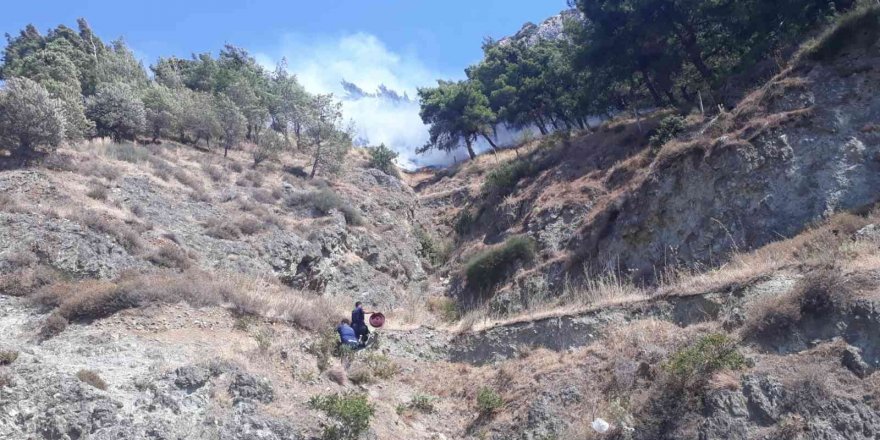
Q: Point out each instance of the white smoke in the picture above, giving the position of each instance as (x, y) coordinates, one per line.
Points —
(363, 60)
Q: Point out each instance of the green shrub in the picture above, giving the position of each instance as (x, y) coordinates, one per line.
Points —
(859, 27)
(488, 268)
(488, 401)
(503, 178)
(92, 378)
(430, 248)
(418, 402)
(350, 414)
(670, 127)
(464, 222)
(695, 364)
(382, 158)
(445, 307)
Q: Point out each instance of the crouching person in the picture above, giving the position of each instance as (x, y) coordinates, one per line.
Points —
(347, 335)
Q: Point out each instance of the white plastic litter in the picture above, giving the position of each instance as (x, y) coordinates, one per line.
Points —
(600, 426)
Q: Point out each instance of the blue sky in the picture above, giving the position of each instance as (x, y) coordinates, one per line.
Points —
(403, 44)
(444, 35)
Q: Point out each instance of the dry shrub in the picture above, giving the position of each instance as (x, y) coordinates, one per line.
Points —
(236, 167)
(820, 291)
(222, 229)
(97, 191)
(125, 236)
(57, 161)
(27, 280)
(337, 375)
(249, 225)
(264, 297)
(170, 256)
(216, 173)
(84, 300)
(265, 196)
(92, 378)
(360, 375)
(5, 380)
(53, 326)
(186, 179)
(7, 357)
(15, 259)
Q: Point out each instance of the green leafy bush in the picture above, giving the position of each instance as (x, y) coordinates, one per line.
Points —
(382, 158)
(464, 222)
(860, 27)
(350, 413)
(430, 248)
(504, 177)
(488, 401)
(488, 268)
(697, 362)
(670, 127)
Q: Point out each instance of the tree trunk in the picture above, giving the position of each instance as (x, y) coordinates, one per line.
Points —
(688, 38)
(658, 101)
(489, 140)
(317, 160)
(225, 149)
(470, 148)
(541, 126)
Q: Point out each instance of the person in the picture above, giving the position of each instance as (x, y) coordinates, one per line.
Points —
(347, 334)
(359, 324)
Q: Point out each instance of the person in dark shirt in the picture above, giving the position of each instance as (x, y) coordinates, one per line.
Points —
(358, 323)
(347, 334)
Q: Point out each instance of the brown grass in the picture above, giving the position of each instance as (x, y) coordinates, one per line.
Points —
(92, 378)
(171, 256)
(95, 299)
(7, 357)
(122, 234)
(822, 290)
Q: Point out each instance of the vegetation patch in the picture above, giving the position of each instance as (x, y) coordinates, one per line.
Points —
(692, 366)
(430, 248)
(488, 401)
(382, 158)
(490, 267)
(419, 402)
(349, 413)
(325, 200)
(670, 127)
(7, 357)
(859, 28)
(503, 178)
(92, 378)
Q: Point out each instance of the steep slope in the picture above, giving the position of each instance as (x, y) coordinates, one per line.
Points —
(796, 150)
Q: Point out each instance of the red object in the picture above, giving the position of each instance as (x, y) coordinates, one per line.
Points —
(377, 320)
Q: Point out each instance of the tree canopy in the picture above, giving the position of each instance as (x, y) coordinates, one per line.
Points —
(620, 55)
(102, 89)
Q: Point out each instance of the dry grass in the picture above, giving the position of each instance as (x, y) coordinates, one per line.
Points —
(7, 357)
(170, 256)
(92, 378)
(125, 236)
(820, 291)
(95, 299)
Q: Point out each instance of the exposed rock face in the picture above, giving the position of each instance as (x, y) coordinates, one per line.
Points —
(549, 29)
(804, 150)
